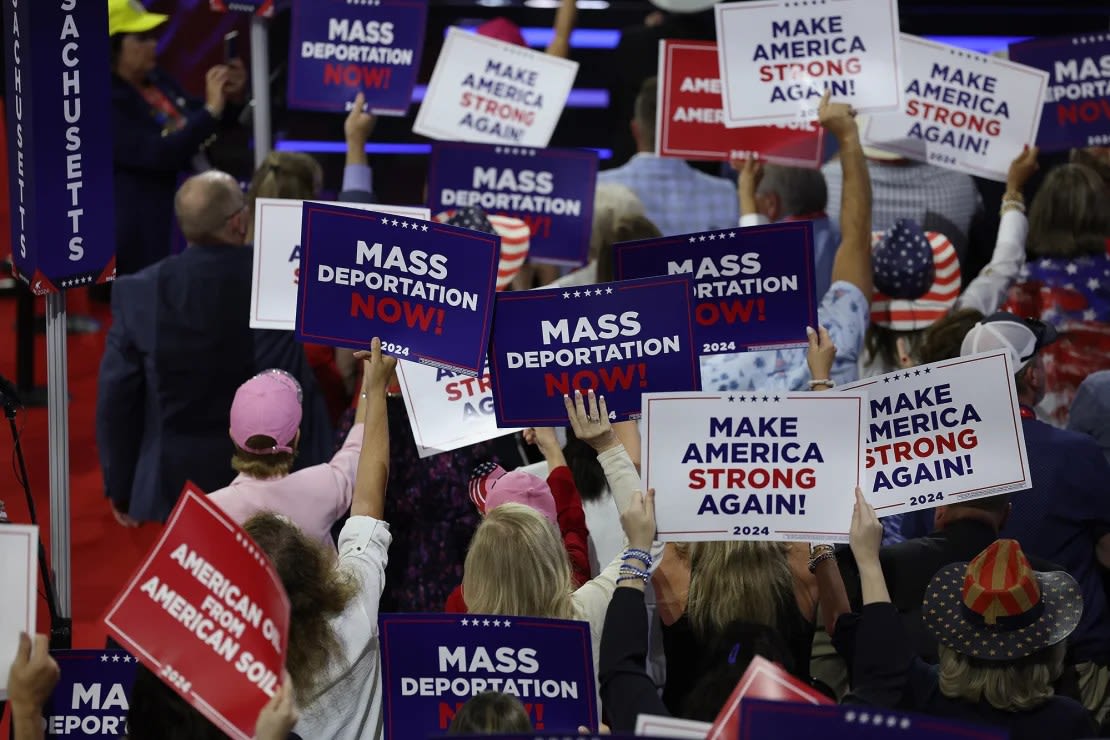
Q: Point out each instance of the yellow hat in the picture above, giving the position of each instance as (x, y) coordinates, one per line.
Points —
(129, 16)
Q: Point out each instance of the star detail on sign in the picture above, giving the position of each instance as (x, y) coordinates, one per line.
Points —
(423, 227)
(732, 399)
(465, 622)
(608, 291)
(103, 658)
(731, 234)
(597, 292)
(566, 294)
(776, 399)
(115, 658)
(485, 623)
(886, 380)
(765, 399)
(1071, 269)
(577, 294)
(505, 622)
(497, 623)
(926, 371)
(404, 224)
(693, 239)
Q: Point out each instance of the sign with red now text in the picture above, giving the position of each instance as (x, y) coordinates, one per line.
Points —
(426, 289)
(1077, 102)
(447, 410)
(762, 680)
(491, 92)
(207, 613)
(277, 257)
(753, 287)
(620, 340)
(753, 466)
(778, 57)
(943, 433)
(690, 121)
(432, 664)
(963, 111)
(338, 48)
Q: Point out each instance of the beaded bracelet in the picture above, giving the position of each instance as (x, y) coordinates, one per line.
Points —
(643, 556)
(818, 559)
(628, 578)
(629, 571)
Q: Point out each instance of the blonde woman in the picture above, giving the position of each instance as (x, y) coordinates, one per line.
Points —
(1002, 629)
(517, 565)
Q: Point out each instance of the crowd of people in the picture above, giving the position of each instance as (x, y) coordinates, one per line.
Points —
(992, 611)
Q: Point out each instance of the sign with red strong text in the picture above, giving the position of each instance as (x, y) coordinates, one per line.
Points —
(753, 466)
(963, 111)
(490, 92)
(690, 121)
(447, 410)
(207, 613)
(426, 289)
(19, 585)
(277, 257)
(778, 57)
(762, 680)
(1077, 103)
(432, 664)
(338, 48)
(753, 287)
(945, 432)
(621, 340)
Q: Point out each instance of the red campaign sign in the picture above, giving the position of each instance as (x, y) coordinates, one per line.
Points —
(207, 613)
(762, 680)
(691, 118)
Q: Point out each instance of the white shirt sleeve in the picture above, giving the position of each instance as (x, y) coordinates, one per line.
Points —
(988, 290)
(753, 219)
(363, 553)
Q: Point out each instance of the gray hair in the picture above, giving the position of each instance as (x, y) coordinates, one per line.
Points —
(204, 203)
(799, 189)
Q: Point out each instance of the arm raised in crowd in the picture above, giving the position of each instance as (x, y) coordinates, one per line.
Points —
(565, 17)
(373, 463)
(358, 182)
(853, 256)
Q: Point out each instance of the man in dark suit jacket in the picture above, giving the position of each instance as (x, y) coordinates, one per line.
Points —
(179, 346)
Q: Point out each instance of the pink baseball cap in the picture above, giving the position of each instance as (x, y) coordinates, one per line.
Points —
(269, 404)
(502, 29)
(491, 486)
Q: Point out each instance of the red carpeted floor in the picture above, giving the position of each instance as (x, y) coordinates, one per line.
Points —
(103, 554)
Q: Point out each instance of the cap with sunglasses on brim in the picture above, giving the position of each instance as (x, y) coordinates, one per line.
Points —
(267, 405)
(129, 16)
(1022, 338)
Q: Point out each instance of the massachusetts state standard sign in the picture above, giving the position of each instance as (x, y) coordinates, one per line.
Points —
(59, 142)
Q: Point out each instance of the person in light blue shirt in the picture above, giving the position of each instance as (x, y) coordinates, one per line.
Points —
(845, 306)
(1090, 411)
(677, 198)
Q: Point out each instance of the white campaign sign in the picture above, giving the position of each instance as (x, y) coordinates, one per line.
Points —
(19, 585)
(277, 257)
(945, 432)
(753, 466)
(962, 111)
(650, 725)
(491, 92)
(447, 410)
(777, 58)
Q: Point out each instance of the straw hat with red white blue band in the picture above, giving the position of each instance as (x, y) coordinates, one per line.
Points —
(916, 275)
(998, 608)
(514, 234)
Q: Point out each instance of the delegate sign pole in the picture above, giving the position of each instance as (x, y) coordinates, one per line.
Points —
(260, 87)
(57, 366)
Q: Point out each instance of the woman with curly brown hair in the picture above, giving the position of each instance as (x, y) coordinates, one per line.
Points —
(333, 635)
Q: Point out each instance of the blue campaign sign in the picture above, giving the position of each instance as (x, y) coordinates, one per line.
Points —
(426, 289)
(91, 698)
(761, 719)
(1077, 101)
(621, 339)
(433, 663)
(753, 287)
(337, 48)
(59, 143)
(551, 190)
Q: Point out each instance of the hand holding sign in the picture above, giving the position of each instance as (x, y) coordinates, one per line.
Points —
(591, 426)
(378, 369)
(279, 716)
(32, 677)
